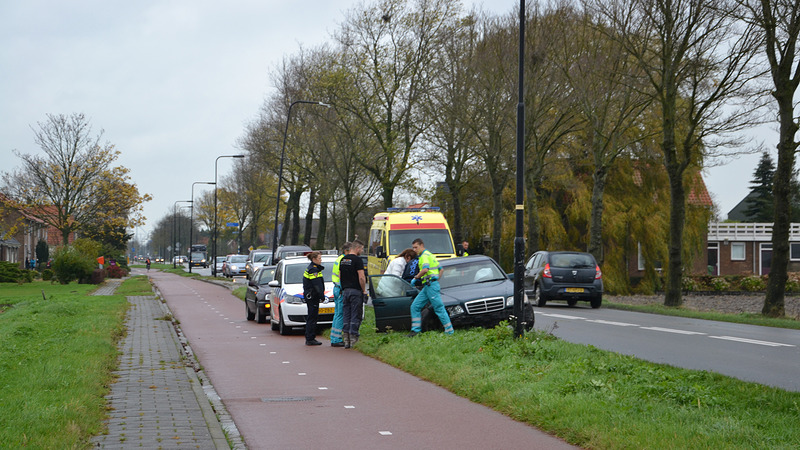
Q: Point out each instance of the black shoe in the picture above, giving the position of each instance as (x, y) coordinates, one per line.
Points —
(412, 334)
(337, 344)
(313, 342)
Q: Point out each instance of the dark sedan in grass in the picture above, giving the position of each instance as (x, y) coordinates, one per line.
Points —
(475, 292)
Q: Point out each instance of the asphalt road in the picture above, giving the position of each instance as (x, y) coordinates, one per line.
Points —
(765, 355)
(283, 394)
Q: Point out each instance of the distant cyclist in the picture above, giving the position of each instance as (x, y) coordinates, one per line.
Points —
(148, 264)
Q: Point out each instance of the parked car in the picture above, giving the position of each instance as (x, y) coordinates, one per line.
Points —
(475, 292)
(234, 266)
(255, 299)
(255, 259)
(218, 264)
(570, 276)
(287, 305)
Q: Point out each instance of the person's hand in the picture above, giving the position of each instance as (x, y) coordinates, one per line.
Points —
(414, 281)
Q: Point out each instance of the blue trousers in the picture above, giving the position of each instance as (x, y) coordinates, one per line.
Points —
(430, 293)
(352, 305)
(338, 315)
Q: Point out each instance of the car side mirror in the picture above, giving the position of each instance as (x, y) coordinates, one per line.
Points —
(380, 252)
(412, 292)
(274, 284)
(252, 282)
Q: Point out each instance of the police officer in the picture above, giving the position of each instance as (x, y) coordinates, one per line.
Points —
(313, 291)
(428, 277)
(338, 313)
(465, 247)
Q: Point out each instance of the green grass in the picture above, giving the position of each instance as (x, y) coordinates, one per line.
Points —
(56, 359)
(137, 285)
(240, 292)
(590, 397)
(744, 318)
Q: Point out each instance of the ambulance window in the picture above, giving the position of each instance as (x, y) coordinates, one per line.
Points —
(374, 240)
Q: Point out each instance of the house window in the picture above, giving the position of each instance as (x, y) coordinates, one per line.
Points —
(737, 251)
(794, 251)
(640, 258)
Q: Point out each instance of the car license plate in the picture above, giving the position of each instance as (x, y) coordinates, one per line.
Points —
(328, 310)
(574, 290)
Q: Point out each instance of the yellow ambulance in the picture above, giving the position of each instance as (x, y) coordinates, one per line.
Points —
(395, 229)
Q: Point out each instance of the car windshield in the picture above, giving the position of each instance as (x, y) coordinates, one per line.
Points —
(220, 259)
(237, 259)
(469, 272)
(294, 272)
(436, 241)
(197, 255)
(571, 260)
(261, 257)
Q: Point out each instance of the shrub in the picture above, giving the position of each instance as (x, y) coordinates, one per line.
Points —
(69, 265)
(752, 284)
(116, 271)
(10, 272)
(688, 284)
(47, 274)
(719, 284)
(98, 276)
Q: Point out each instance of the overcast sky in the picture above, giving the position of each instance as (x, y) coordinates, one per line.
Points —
(173, 83)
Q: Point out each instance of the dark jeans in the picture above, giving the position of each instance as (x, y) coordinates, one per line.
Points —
(352, 306)
(311, 320)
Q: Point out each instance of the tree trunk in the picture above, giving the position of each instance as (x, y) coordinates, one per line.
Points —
(497, 222)
(776, 286)
(532, 209)
(322, 230)
(312, 200)
(294, 198)
(458, 222)
(677, 219)
(388, 194)
(596, 225)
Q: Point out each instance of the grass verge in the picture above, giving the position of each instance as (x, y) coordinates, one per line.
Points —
(744, 318)
(56, 362)
(136, 285)
(590, 397)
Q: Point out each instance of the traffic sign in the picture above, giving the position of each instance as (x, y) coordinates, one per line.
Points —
(232, 224)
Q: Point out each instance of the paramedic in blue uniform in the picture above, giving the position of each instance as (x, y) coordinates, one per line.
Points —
(313, 292)
(338, 313)
(428, 278)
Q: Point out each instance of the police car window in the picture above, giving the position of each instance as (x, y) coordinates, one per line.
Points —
(294, 272)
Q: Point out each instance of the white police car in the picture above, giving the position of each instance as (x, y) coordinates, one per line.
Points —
(287, 305)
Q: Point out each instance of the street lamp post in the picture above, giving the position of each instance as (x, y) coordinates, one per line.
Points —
(174, 241)
(519, 240)
(214, 250)
(280, 171)
(191, 221)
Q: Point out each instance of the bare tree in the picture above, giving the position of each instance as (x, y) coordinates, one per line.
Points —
(64, 187)
(779, 22)
(696, 56)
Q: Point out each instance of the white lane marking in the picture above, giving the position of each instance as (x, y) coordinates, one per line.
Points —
(671, 330)
(263, 345)
(349, 407)
(619, 324)
(253, 337)
(301, 373)
(562, 316)
(322, 388)
(286, 362)
(751, 341)
(385, 433)
(272, 353)
(245, 331)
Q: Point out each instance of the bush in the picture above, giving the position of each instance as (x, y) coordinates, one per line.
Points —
(10, 272)
(752, 284)
(719, 284)
(688, 284)
(98, 276)
(69, 265)
(116, 271)
(47, 274)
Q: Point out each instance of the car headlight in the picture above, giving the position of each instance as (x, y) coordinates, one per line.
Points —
(234, 268)
(455, 310)
(510, 301)
(295, 300)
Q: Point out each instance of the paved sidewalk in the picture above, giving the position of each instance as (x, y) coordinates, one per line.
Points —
(157, 401)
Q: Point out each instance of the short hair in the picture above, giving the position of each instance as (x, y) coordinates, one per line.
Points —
(418, 241)
(313, 255)
(356, 243)
(346, 246)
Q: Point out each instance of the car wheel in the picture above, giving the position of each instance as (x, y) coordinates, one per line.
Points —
(260, 317)
(250, 315)
(572, 302)
(538, 298)
(430, 321)
(273, 324)
(530, 318)
(282, 328)
(597, 301)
